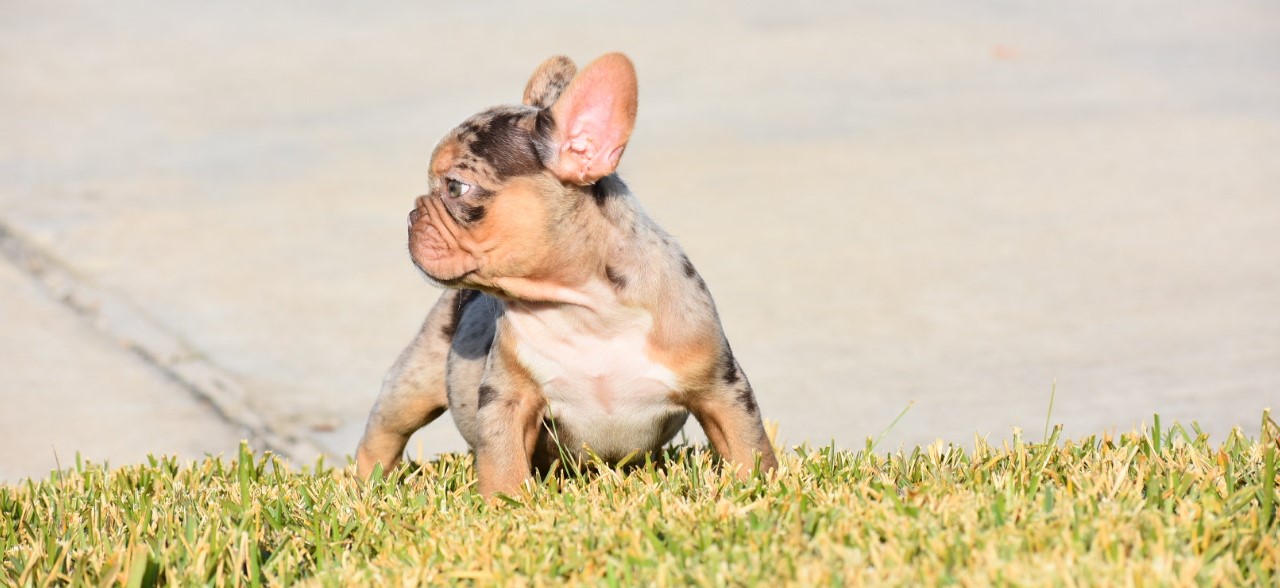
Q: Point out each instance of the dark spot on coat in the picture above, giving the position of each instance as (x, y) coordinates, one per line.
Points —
(486, 395)
(607, 188)
(549, 82)
(692, 273)
(730, 368)
(471, 126)
(478, 194)
(747, 399)
(543, 138)
(472, 214)
(505, 144)
(453, 214)
(619, 281)
(451, 326)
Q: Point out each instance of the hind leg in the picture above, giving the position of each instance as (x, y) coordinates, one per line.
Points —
(413, 393)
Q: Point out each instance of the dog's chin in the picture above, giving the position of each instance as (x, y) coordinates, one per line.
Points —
(456, 281)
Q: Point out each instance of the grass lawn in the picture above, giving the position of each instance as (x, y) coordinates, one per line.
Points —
(1154, 507)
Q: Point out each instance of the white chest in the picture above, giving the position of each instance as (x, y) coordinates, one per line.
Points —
(600, 382)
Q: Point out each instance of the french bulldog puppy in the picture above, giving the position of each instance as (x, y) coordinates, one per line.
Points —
(572, 323)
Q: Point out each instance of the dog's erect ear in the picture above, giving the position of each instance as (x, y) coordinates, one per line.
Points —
(594, 117)
(548, 81)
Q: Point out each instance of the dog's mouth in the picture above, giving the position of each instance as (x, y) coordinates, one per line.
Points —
(435, 250)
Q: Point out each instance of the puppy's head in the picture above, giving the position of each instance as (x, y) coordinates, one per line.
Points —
(503, 181)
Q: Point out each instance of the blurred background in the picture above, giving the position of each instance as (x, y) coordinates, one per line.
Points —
(967, 208)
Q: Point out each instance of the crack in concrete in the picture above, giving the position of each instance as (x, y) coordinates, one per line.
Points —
(157, 346)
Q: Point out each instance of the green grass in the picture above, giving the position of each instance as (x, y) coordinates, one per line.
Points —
(1154, 507)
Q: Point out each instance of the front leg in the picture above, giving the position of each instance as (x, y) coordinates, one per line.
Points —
(413, 392)
(730, 416)
(509, 410)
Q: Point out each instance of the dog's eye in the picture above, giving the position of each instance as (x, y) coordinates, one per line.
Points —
(457, 188)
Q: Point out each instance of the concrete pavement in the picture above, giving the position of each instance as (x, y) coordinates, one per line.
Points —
(70, 388)
(957, 206)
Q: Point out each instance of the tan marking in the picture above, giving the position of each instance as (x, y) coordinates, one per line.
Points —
(504, 458)
(689, 348)
(444, 158)
(453, 151)
(735, 434)
(693, 360)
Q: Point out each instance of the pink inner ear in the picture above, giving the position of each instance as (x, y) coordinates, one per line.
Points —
(596, 114)
(596, 125)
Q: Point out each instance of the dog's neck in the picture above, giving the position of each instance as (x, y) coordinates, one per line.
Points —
(612, 244)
